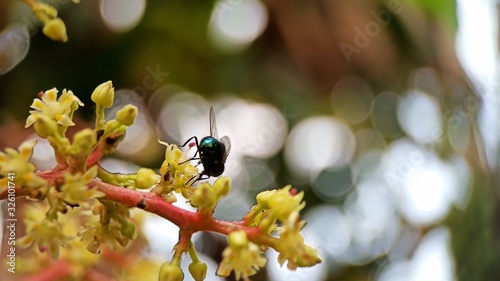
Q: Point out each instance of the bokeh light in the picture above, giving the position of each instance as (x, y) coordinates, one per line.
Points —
(122, 15)
(235, 24)
(317, 143)
(432, 260)
(420, 117)
(14, 45)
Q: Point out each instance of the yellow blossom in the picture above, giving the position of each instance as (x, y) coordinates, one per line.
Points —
(76, 190)
(58, 109)
(242, 256)
(48, 234)
(176, 171)
(15, 167)
(110, 228)
(282, 203)
(292, 247)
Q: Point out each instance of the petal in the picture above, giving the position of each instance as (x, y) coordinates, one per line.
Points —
(90, 174)
(64, 120)
(30, 120)
(26, 241)
(26, 149)
(37, 104)
(75, 98)
(50, 95)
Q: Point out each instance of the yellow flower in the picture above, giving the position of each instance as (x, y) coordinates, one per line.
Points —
(242, 256)
(176, 171)
(282, 203)
(106, 229)
(76, 190)
(48, 234)
(58, 109)
(292, 247)
(15, 167)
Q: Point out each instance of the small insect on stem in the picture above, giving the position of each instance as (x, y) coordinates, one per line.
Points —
(212, 151)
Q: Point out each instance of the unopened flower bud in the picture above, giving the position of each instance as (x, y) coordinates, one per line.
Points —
(204, 197)
(127, 115)
(222, 186)
(45, 126)
(198, 270)
(146, 178)
(128, 230)
(170, 272)
(85, 140)
(55, 30)
(238, 239)
(104, 94)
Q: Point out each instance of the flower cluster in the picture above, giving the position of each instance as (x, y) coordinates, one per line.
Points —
(47, 233)
(113, 228)
(87, 207)
(16, 162)
(274, 208)
(242, 256)
(76, 189)
(176, 172)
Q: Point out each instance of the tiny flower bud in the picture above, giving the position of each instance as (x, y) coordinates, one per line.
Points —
(85, 140)
(222, 186)
(170, 272)
(146, 178)
(45, 126)
(198, 270)
(104, 94)
(55, 30)
(127, 115)
(238, 239)
(204, 197)
(128, 230)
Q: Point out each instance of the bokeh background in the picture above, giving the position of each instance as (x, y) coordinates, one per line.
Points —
(385, 113)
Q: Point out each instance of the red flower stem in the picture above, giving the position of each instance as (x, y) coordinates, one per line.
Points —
(187, 221)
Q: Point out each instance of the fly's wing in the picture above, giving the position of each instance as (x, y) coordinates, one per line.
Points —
(213, 125)
(227, 144)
